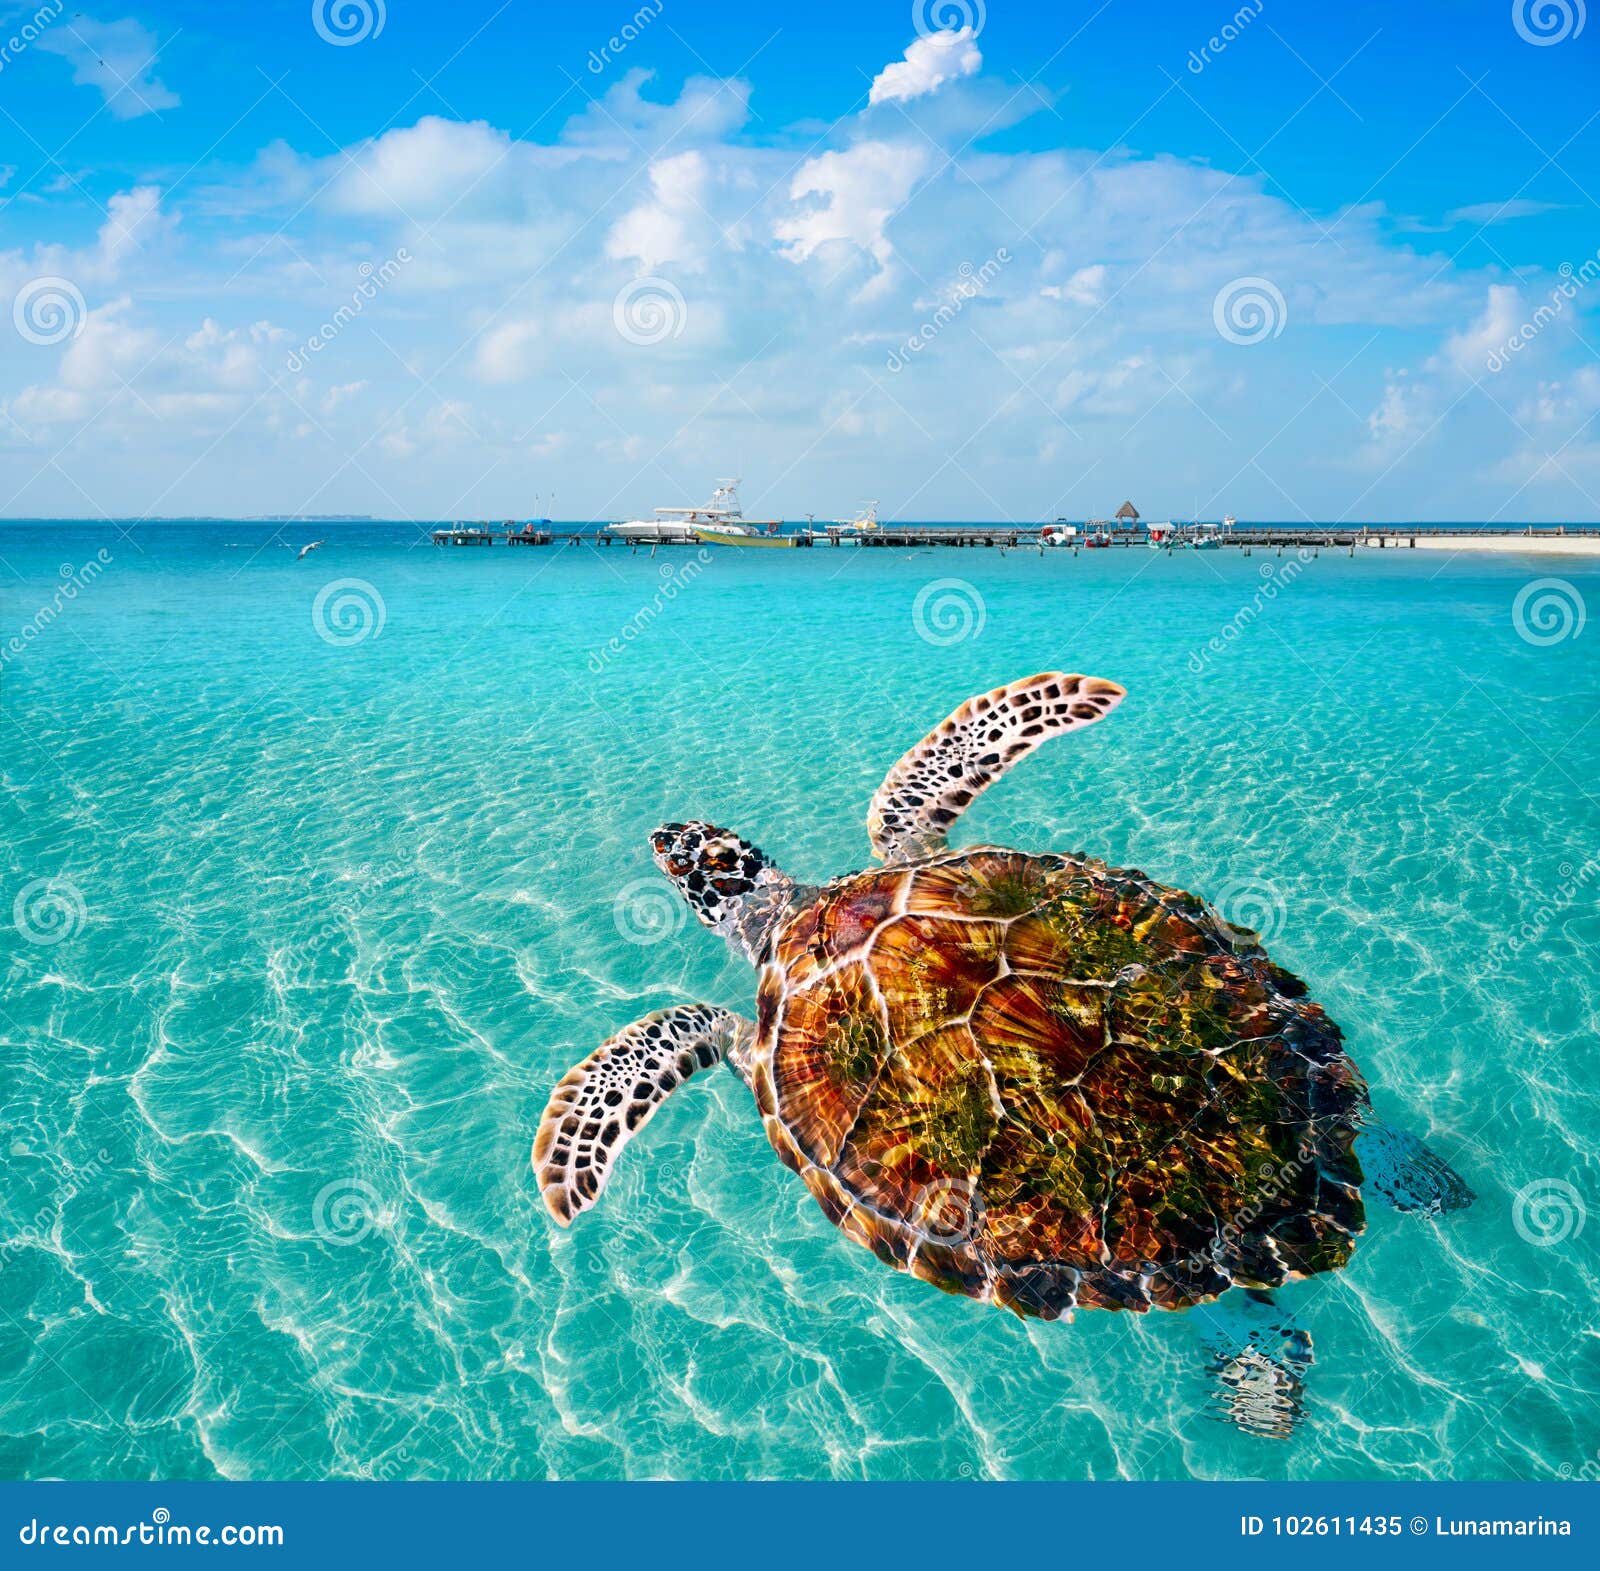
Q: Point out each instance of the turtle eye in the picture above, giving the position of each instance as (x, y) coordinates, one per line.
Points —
(678, 866)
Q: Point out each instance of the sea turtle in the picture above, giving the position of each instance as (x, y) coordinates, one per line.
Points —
(1038, 1080)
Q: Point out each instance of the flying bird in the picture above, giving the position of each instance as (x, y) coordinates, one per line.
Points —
(306, 550)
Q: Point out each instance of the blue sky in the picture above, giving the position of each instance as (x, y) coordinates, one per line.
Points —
(977, 261)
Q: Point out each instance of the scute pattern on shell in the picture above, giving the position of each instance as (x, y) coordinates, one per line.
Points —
(1052, 1084)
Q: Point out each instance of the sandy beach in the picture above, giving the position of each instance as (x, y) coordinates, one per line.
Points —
(1538, 545)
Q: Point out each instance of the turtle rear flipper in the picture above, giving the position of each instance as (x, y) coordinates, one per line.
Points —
(1259, 1361)
(1399, 1168)
(602, 1103)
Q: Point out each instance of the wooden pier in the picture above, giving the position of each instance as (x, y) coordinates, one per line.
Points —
(1027, 536)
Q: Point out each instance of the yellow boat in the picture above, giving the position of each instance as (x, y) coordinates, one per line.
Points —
(723, 537)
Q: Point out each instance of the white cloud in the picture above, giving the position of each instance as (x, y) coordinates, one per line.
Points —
(445, 425)
(127, 375)
(1414, 406)
(337, 395)
(1087, 286)
(850, 197)
(708, 110)
(419, 172)
(134, 220)
(929, 63)
(1125, 388)
(1467, 352)
(1398, 417)
(1500, 212)
(1569, 403)
(675, 225)
(115, 57)
(506, 352)
(133, 233)
(795, 284)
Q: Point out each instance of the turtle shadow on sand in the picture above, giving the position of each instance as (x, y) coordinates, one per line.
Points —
(1038, 1080)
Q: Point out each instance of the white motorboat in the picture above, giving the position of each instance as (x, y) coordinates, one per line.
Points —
(722, 515)
(849, 531)
(1184, 537)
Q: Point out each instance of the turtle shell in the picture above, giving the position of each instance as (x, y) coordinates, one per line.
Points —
(1053, 1084)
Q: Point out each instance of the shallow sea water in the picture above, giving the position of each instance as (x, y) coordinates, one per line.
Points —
(305, 930)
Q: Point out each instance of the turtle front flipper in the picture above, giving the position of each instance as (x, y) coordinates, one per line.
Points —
(1399, 1168)
(602, 1103)
(924, 794)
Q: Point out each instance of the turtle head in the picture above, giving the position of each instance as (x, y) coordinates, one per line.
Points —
(730, 884)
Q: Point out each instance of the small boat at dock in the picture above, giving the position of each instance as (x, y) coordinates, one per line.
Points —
(723, 516)
(746, 537)
(1184, 537)
(848, 531)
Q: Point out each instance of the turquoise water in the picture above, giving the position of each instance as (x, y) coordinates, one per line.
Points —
(305, 930)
